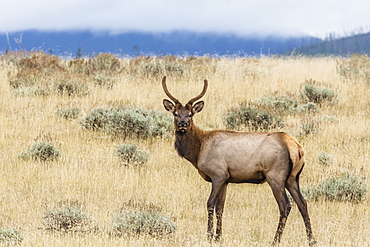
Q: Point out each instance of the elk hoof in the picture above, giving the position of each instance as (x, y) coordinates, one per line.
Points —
(217, 238)
(214, 238)
(312, 242)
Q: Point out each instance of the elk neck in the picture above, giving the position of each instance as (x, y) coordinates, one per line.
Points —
(188, 144)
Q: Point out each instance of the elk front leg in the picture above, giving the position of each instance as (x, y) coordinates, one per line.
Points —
(219, 212)
(217, 188)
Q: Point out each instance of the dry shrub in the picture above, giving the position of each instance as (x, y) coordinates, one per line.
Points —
(317, 94)
(356, 68)
(42, 74)
(41, 151)
(137, 223)
(252, 118)
(129, 122)
(68, 219)
(35, 70)
(10, 236)
(130, 155)
(138, 218)
(69, 113)
(173, 66)
(103, 63)
(345, 187)
(325, 159)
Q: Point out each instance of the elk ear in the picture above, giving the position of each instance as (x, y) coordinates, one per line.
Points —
(198, 107)
(168, 105)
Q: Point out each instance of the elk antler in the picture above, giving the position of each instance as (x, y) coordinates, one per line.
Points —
(201, 94)
(167, 92)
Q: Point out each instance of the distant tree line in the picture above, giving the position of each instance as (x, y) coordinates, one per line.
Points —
(336, 44)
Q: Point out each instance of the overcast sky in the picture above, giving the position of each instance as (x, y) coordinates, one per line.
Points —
(292, 17)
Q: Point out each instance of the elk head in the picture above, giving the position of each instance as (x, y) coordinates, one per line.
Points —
(183, 114)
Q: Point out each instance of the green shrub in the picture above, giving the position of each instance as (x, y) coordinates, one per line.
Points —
(137, 222)
(130, 155)
(129, 122)
(345, 187)
(69, 113)
(162, 124)
(252, 118)
(10, 236)
(317, 94)
(41, 151)
(324, 158)
(68, 220)
(97, 119)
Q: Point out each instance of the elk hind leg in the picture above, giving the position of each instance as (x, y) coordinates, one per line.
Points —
(292, 185)
(282, 200)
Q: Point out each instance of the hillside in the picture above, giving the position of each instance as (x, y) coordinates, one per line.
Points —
(344, 46)
(135, 43)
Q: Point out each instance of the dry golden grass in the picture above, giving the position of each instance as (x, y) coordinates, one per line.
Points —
(89, 175)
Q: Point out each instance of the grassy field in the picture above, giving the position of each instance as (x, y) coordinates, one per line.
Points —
(89, 176)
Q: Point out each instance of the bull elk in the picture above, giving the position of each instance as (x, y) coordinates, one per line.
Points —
(223, 156)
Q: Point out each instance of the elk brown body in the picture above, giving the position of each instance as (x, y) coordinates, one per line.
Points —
(223, 156)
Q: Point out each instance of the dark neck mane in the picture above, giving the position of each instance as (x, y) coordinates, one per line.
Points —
(188, 144)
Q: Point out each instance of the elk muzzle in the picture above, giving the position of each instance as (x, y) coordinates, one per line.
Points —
(182, 126)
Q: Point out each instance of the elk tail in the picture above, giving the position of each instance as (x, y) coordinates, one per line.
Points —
(298, 163)
(296, 152)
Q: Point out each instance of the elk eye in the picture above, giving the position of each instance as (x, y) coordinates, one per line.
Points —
(190, 114)
(175, 114)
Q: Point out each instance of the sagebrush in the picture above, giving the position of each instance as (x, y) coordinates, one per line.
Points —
(68, 220)
(345, 187)
(128, 122)
(129, 154)
(138, 222)
(41, 151)
(10, 236)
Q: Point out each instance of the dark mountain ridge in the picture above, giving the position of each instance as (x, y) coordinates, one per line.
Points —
(72, 43)
(359, 43)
